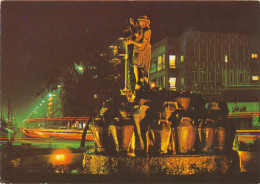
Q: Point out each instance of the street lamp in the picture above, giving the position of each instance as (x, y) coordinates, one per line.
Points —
(79, 68)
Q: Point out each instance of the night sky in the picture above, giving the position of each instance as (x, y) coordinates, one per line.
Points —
(38, 37)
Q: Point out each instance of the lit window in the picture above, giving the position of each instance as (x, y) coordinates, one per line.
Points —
(226, 58)
(254, 56)
(172, 59)
(255, 78)
(159, 63)
(172, 82)
(182, 81)
(182, 57)
(163, 61)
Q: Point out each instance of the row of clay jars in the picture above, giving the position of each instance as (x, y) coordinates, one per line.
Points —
(216, 135)
(113, 137)
(213, 136)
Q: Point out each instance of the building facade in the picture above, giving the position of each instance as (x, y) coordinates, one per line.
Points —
(215, 64)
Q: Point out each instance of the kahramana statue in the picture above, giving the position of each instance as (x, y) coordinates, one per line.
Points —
(142, 52)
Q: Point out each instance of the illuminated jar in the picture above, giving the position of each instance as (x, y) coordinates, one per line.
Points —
(100, 133)
(161, 133)
(207, 135)
(122, 131)
(186, 132)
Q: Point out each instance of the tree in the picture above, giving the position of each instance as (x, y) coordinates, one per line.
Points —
(83, 92)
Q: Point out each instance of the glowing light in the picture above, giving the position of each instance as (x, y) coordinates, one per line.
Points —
(255, 78)
(172, 60)
(79, 68)
(254, 56)
(153, 84)
(182, 58)
(226, 58)
(159, 63)
(50, 95)
(43, 101)
(61, 157)
(172, 82)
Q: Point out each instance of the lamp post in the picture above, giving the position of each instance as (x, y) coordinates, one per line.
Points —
(126, 91)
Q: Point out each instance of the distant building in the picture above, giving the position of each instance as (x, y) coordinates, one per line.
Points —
(217, 64)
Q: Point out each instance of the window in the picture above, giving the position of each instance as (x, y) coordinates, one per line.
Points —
(159, 66)
(254, 56)
(255, 78)
(163, 61)
(182, 81)
(226, 58)
(153, 65)
(182, 57)
(161, 81)
(172, 82)
(172, 59)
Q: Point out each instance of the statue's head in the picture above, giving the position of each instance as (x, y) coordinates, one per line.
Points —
(143, 21)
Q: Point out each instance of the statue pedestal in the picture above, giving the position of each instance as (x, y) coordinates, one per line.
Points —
(162, 165)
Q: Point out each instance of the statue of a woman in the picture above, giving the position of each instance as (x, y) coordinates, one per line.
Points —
(142, 52)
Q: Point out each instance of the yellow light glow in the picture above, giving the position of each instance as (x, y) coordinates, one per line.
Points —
(255, 78)
(226, 58)
(172, 60)
(254, 56)
(172, 82)
(152, 84)
(61, 157)
(80, 68)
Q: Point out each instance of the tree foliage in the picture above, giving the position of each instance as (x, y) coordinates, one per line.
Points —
(82, 93)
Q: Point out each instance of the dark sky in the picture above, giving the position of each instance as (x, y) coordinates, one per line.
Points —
(38, 37)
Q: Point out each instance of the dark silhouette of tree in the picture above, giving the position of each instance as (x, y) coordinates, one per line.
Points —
(83, 93)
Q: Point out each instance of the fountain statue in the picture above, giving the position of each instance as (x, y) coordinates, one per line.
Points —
(152, 131)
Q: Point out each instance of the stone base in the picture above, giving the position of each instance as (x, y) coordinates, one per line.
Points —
(164, 165)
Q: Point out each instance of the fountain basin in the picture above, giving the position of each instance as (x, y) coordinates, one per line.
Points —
(165, 165)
